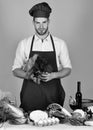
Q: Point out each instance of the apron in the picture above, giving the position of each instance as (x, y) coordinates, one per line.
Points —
(35, 96)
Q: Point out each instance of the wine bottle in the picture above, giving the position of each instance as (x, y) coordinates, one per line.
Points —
(79, 96)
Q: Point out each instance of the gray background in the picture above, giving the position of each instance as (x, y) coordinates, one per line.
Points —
(71, 20)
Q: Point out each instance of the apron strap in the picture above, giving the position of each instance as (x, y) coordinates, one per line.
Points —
(52, 42)
(32, 42)
(31, 45)
(53, 49)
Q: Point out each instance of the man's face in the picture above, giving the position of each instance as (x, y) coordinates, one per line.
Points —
(41, 25)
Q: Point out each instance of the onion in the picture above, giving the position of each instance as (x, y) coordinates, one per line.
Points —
(57, 120)
(40, 123)
(49, 121)
(45, 122)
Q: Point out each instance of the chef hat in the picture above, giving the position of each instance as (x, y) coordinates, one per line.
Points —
(40, 10)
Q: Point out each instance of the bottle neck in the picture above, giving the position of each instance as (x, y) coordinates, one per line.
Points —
(78, 86)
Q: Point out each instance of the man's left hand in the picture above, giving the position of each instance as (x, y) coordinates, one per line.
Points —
(47, 76)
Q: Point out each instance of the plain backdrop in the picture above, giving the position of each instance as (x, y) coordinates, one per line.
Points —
(71, 20)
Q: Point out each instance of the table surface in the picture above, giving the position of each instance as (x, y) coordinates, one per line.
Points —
(7, 126)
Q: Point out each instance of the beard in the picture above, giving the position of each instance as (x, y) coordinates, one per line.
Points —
(41, 31)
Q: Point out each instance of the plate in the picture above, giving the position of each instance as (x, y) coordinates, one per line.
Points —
(88, 123)
(87, 102)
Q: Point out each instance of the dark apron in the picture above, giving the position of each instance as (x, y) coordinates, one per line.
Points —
(38, 96)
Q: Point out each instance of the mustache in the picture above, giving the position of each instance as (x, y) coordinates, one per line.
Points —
(41, 29)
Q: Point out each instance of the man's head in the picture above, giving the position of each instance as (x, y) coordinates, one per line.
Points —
(40, 13)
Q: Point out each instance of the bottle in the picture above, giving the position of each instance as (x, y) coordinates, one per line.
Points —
(78, 96)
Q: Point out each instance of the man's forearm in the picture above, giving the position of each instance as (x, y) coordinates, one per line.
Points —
(62, 73)
(54, 75)
(20, 73)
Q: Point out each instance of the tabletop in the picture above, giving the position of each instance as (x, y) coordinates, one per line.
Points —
(66, 126)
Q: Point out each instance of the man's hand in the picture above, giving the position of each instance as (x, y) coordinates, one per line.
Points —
(47, 76)
(53, 75)
(35, 79)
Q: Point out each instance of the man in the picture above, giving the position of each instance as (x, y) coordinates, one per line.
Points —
(48, 89)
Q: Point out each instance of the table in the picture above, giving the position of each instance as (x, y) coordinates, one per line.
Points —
(65, 126)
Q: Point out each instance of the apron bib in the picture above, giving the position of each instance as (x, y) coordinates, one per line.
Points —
(35, 96)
